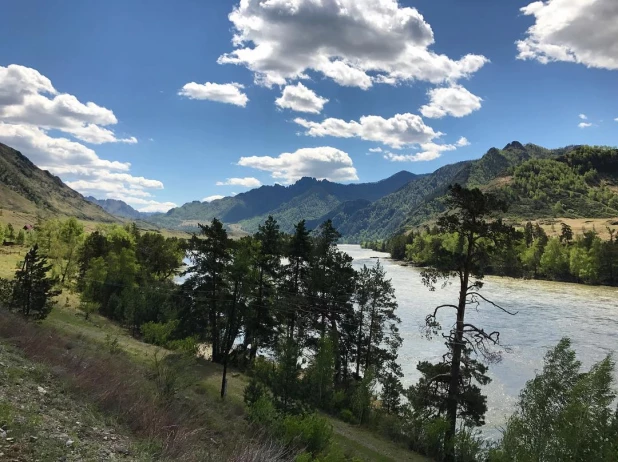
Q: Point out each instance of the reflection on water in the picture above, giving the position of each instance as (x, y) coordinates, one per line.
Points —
(547, 311)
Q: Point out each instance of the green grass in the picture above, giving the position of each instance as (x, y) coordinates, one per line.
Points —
(200, 383)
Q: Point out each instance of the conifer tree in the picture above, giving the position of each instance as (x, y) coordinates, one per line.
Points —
(33, 290)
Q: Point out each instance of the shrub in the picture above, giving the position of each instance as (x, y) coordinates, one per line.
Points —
(254, 391)
(6, 292)
(112, 344)
(311, 432)
(263, 412)
(188, 345)
(348, 416)
(157, 333)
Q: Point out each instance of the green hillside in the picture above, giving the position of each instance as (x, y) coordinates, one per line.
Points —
(27, 189)
(571, 182)
(308, 199)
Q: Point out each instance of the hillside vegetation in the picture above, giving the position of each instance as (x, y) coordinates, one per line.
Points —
(308, 198)
(570, 182)
(27, 189)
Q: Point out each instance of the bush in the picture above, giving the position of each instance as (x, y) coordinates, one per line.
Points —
(254, 391)
(112, 344)
(311, 432)
(6, 292)
(187, 345)
(157, 333)
(348, 416)
(263, 412)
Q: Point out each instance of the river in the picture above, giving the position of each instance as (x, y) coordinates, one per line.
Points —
(547, 311)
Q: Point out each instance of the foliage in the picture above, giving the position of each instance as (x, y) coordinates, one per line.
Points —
(33, 290)
(564, 414)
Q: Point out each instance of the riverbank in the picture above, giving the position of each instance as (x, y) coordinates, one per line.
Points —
(547, 311)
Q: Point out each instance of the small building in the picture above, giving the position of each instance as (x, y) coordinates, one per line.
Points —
(28, 228)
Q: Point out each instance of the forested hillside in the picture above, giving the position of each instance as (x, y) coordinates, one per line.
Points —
(26, 188)
(308, 199)
(572, 182)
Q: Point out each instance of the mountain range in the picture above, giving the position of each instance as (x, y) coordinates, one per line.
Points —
(570, 182)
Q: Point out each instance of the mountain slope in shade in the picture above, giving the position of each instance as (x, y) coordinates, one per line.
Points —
(116, 207)
(308, 198)
(26, 188)
(570, 182)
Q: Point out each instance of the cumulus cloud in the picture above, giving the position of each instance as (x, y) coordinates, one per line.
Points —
(584, 125)
(30, 108)
(212, 198)
(430, 151)
(248, 182)
(301, 99)
(578, 31)
(27, 97)
(321, 163)
(229, 93)
(375, 149)
(397, 132)
(583, 116)
(353, 42)
(616, 119)
(454, 100)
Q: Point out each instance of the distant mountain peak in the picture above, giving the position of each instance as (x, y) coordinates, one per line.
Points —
(514, 145)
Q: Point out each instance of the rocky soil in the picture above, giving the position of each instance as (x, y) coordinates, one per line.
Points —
(41, 420)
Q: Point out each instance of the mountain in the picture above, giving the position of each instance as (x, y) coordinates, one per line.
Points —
(570, 182)
(308, 199)
(27, 189)
(117, 208)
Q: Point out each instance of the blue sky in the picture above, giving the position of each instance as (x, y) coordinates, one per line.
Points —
(153, 103)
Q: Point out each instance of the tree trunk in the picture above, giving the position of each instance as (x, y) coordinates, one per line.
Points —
(358, 343)
(228, 341)
(258, 318)
(457, 348)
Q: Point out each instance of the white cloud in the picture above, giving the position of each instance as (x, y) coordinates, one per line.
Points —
(49, 152)
(212, 198)
(454, 100)
(229, 93)
(301, 99)
(430, 151)
(584, 125)
(321, 163)
(583, 116)
(24, 100)
(353, 42)
(616, 119)
(248, 182)
(579, 31)
(30, 108)
(397, 132)
(375, 149)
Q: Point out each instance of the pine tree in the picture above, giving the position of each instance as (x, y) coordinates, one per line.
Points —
(474, 218)
(33, 289)
(210, 255)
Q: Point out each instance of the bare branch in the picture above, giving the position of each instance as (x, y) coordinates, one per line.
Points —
(492, 303)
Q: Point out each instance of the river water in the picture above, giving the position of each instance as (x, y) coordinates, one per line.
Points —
(547, 311)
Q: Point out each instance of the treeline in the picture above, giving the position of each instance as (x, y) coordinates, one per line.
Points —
(532, 254)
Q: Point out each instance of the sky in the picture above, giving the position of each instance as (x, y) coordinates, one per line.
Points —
(160, 103)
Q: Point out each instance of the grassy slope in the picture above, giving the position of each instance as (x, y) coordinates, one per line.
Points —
(45, 421)
(201, 381)
(26, 188)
